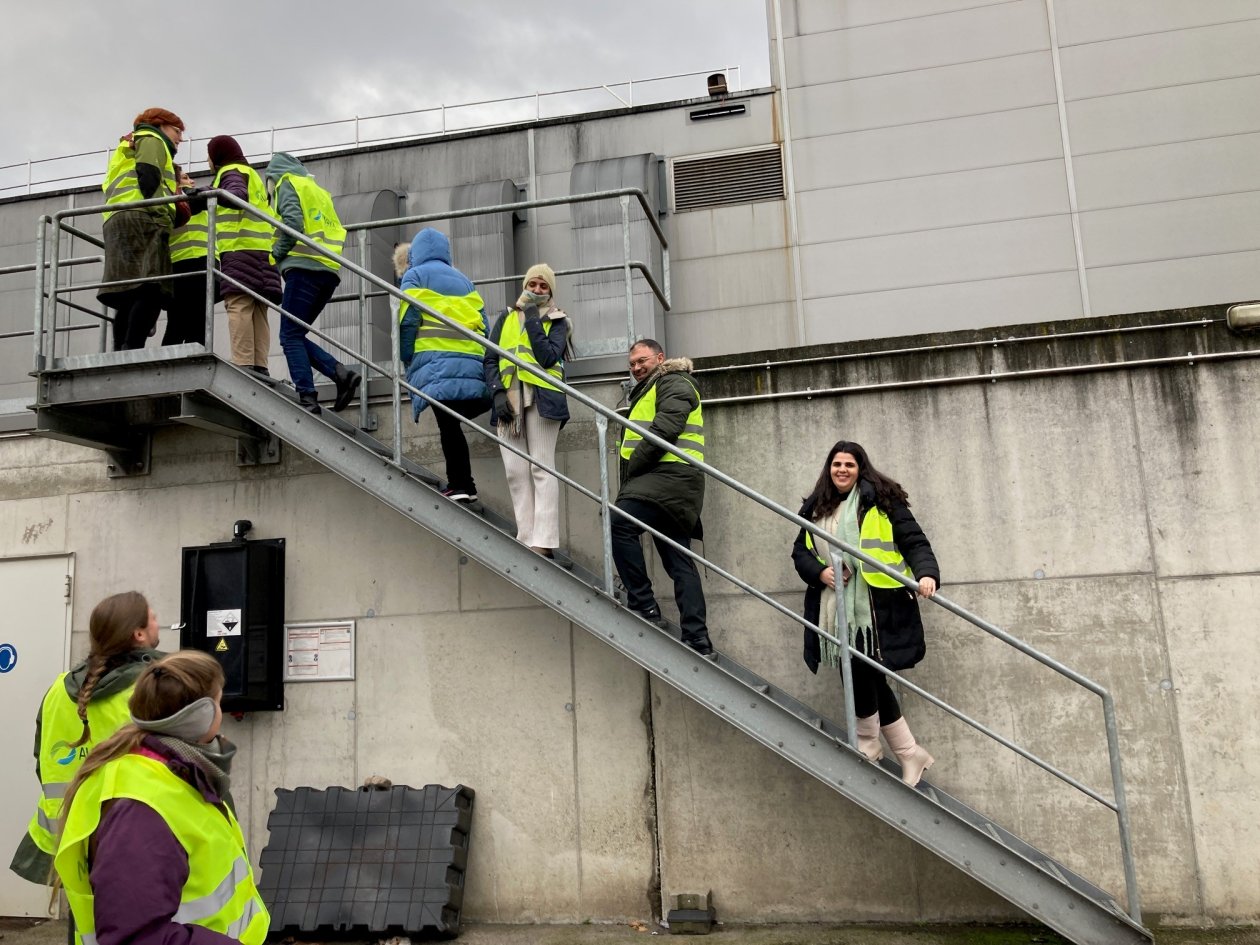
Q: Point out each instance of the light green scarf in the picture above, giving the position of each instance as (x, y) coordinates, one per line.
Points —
(857, 600)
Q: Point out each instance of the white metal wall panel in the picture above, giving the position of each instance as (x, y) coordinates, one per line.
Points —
(1162, 116)
(938, 257)
(734, 280)
(729, 330)
(943, 307)
(721, 231)
(1173, 230)
(1211, 167)
(941, 200)
(923, 95)
(1159, 60)
(1090, 21)
(970, 35)
(1176, 283)
(932, 147)
(817, 16)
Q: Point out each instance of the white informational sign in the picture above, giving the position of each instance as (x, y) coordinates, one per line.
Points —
(223, 623)
(315, 652)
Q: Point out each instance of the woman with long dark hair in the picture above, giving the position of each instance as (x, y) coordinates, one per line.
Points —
(83, 707)
(865, 509)
(149, 851)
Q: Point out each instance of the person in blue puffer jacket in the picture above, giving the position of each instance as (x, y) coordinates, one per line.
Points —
(441, 362)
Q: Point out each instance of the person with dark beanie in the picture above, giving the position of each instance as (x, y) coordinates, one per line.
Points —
(243, 244)
(137, 241)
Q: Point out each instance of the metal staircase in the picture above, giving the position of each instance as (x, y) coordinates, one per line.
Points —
(93, 400)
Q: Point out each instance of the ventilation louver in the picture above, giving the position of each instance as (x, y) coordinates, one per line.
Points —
(723, 179)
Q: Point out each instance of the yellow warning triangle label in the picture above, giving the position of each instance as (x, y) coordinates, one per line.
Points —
(221, 646)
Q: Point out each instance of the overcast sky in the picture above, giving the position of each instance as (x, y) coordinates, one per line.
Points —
(75, 74)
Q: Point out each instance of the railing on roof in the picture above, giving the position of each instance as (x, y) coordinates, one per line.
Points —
(360, 130)
(46, 329)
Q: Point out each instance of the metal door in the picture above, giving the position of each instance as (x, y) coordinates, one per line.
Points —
(34, 648)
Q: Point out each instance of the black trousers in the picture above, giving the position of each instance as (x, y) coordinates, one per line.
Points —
(627, 549)
(454, 445)
(872, 693)
(186, 312)
(135, 316)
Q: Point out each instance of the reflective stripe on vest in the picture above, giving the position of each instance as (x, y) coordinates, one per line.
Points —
(319, 220)
(189, 241)
(122, 184)
(433, 335)
(60, 726)
(515, 340)
(875, 540)
(236, 230)
(219, 893)
(690, 441)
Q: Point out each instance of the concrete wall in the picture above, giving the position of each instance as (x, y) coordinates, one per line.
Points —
(1105, 518)
(964, 163)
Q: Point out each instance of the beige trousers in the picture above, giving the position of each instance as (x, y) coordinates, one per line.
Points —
(248, 329)
(535, 492)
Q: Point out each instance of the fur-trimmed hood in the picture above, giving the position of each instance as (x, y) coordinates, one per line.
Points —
(674, 365)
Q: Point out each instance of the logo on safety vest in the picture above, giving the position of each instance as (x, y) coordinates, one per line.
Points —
(221, 646)
(70, 753)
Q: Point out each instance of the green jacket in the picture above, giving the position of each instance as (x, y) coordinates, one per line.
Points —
(676, 488)
(29, 861)
(289, 208)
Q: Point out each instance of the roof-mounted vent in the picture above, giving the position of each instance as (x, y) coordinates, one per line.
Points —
(723, 179)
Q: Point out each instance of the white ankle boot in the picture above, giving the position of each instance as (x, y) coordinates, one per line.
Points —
(914, 757)
(868, 737)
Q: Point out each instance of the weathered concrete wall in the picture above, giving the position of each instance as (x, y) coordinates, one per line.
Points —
(1105, 518)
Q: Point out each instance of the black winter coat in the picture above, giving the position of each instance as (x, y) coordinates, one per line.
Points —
(895, 609)
(548, 348)
(676, 488)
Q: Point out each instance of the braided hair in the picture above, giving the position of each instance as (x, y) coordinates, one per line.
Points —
(112, 628)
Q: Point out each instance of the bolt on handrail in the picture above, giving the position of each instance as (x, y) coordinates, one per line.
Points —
(603, 415)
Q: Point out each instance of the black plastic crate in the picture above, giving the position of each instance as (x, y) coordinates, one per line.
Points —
(346, 861)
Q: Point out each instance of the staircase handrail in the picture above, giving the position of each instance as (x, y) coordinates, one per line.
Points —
(1119, 803)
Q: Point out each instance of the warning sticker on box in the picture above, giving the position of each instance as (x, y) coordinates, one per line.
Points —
(223, 623)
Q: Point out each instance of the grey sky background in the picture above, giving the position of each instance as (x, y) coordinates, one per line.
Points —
(75, 74)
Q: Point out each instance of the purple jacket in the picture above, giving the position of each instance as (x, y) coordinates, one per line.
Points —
(138, 869)
(251, 267)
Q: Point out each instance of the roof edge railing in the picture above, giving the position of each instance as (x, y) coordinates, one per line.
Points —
(603, 416)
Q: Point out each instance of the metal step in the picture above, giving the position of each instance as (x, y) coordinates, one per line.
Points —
(1046, 890)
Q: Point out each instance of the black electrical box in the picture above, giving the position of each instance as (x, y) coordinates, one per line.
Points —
(232, 607)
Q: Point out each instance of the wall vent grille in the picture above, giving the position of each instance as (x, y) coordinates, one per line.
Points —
(723, 179)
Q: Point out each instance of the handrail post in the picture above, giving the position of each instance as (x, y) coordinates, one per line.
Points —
(846, 659)
(365, 331)
(605, 516)
(1122, 808)
(395, 340)
(625, 248)
(212, 259)
(41, 238)
(53, 273)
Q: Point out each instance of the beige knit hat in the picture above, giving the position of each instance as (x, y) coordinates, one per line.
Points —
(544, 272)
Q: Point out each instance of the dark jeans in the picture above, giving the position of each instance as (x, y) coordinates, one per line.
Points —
(871, 693)
(454, 446)
(627, 552)
(186, 314)
(136, 313)
(306, 292)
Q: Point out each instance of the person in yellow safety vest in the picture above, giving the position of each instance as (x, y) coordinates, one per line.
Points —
(137, 241)
(661, 490)
(441, 361)
(530, 409)
(243, 243)
(186, 309)
(310, 277)
(150, 852)
(82, 708)
(876, 612)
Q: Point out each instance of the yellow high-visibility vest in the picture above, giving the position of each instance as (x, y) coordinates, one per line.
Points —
(319, 220)
(876, 539)
(237, 230)
(515, 339)
(433, 335)
(189, 241)
(60, 726)
(122, 185)
(690, 441)
(219, 893)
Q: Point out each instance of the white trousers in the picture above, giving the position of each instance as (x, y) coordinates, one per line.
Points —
(535, 492)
